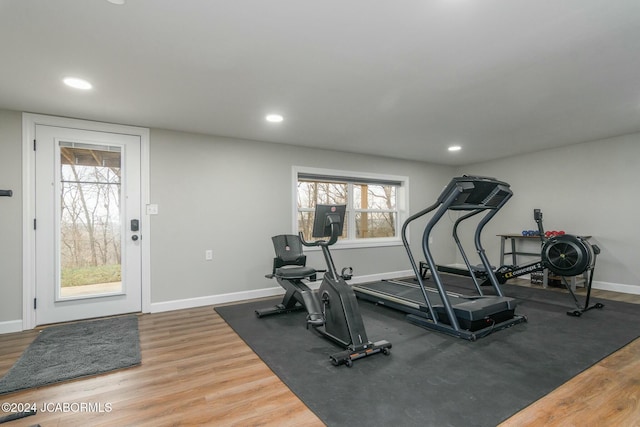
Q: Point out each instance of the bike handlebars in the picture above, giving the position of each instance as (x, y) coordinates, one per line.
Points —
(334, 235)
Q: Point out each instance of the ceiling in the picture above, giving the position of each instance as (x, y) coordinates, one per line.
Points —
(403, 79)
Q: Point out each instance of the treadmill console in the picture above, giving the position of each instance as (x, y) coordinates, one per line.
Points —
(476, 192)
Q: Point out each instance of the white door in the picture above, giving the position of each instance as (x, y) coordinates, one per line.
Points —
(87, 224)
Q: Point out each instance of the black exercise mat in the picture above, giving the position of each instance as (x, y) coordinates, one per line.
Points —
(431, 379)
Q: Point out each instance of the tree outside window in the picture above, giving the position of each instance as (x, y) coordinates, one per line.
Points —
(372, 206)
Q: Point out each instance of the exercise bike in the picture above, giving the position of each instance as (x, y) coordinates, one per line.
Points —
(333, 311)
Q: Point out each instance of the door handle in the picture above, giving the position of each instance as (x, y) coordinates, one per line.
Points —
(135, 226)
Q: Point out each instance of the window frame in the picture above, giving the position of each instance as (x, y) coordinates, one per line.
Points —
(402, 203)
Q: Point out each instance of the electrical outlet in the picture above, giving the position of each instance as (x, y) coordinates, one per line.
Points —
(208, 255)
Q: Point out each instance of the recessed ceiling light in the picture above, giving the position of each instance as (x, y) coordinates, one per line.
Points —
(274, 118)
(455, 148)
(116, 1)
(77, 83)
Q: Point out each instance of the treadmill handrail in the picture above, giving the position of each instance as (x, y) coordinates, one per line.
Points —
(444, 207)
(465, 258)
(481, 252)
(412, 260)
(447, 201)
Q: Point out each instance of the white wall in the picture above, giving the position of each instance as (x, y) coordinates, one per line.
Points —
(232, 195)
(214, 193)
(10, 219)
(585, 189)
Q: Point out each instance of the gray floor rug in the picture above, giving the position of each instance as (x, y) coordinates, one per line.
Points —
(431, 379)
(75, 350)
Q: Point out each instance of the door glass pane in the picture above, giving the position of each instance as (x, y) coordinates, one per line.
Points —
(90, 244)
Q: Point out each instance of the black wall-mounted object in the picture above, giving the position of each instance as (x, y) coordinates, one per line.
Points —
(6, 193)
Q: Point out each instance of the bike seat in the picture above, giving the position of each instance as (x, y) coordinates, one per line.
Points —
(295, 272)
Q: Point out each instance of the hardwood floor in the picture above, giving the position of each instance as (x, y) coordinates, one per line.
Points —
(607, 394)
(196, 371)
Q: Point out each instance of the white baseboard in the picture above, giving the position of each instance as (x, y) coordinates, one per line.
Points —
(159, 307)
(617, 287)
(274, 291)
(10, 326)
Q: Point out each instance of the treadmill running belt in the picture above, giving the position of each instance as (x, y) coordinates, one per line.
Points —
(465, 307)
(401, 290)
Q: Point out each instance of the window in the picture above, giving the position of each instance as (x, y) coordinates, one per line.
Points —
(375, 204)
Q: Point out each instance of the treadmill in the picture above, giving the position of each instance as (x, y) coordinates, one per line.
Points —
(463, 316)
